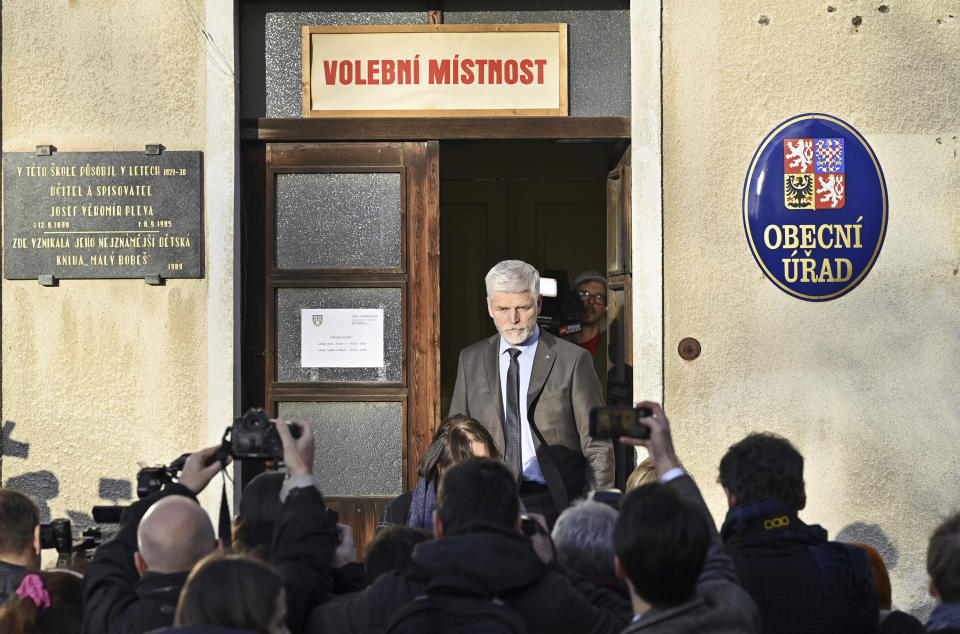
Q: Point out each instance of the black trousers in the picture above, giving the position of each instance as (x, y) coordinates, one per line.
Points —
(536, 499)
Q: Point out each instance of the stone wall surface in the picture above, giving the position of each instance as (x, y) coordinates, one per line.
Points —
(98, 375)
(867, 385)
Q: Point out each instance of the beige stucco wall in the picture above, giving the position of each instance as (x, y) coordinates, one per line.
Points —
(98, 375)
(868, 385)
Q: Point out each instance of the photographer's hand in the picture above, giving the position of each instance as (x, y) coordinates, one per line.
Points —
(541, 540)
(297, 452)
(660, 443)
(200, 468)
(346, 552)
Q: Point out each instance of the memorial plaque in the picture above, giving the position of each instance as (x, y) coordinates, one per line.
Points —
(89, 215)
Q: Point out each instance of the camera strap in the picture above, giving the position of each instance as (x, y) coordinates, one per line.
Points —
(225, 528)
(551, 473)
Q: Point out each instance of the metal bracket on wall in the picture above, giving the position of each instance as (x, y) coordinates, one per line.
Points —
(45, 150)
(47, 280)
(153, 279)
(153, 148)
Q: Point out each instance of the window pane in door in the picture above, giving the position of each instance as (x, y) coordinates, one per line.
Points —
(358, 445)
(338, 221)
(290, 302)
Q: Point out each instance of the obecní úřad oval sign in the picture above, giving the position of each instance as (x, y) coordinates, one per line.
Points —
(815, 207)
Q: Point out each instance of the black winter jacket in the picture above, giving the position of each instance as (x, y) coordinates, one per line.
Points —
(115, 598)
(500, 560)
(302, 552)
(201, 629)
(10, 575)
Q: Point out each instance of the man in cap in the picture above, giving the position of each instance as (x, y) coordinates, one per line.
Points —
(591, 288)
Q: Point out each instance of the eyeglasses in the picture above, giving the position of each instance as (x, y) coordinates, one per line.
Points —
(598, 298)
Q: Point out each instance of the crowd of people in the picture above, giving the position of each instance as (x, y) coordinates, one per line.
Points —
(494, 537)
(459, 554)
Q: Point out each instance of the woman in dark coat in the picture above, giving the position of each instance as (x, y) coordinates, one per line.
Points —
(458, 438)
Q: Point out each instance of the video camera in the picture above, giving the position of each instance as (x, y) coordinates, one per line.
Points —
(149, 481)
(562, 308)
(72, 553)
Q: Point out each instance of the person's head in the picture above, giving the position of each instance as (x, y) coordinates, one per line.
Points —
(645, 473)
(476, 490)
(391, 549)
(881, 578)
(19, 529)
(583, 538)
(591, 286)
(943, 560)
(661, 543)
(174, 534)
(513, 299)
(763, 467)
(457, 439)
(50, 602)
(257, 514)
(236, 591)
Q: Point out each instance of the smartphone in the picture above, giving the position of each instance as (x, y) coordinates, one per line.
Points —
(529, 526)
(614, 422)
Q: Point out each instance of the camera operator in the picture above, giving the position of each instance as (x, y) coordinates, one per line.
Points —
(19, 539)
(133, 583)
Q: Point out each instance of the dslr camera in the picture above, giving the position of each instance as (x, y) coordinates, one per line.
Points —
(254, 435)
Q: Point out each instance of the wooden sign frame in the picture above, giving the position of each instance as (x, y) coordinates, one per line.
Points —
(561, 79)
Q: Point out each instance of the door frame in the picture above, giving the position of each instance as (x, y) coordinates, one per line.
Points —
(422, 237)
(420, 383)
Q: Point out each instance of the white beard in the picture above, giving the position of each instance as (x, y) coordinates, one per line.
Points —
(516, 335)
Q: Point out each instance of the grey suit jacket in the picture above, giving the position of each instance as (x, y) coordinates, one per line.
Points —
(563, 388)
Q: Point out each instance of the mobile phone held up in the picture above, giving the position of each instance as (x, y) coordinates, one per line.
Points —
(614, 422)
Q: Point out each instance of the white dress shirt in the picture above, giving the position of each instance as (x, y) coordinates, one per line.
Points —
(528, 454)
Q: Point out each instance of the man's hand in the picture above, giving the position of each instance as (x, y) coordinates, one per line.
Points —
(346, 552)
(200, 468)
(660, 443)
(541, 540)
(297, 452)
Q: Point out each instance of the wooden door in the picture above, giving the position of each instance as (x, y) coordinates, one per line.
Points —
(354, 227)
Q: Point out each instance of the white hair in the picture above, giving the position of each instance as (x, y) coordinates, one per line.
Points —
(583, 538)
(513, 276)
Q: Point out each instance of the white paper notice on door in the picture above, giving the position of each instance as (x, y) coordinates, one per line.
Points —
(341, 337)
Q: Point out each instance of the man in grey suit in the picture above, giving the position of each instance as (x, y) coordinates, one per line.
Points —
(533, 393)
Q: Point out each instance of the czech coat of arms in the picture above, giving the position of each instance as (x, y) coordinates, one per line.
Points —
(813, 174)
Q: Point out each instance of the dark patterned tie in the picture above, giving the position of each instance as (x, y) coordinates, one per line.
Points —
(511, 423)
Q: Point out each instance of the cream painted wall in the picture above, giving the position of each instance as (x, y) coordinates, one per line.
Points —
(867, 386)
(98, 375)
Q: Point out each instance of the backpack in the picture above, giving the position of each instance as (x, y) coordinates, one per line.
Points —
(456, 606)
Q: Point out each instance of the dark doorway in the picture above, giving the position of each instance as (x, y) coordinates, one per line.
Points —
(544, 202)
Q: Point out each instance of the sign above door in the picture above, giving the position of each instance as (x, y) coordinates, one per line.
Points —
(440, 70)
